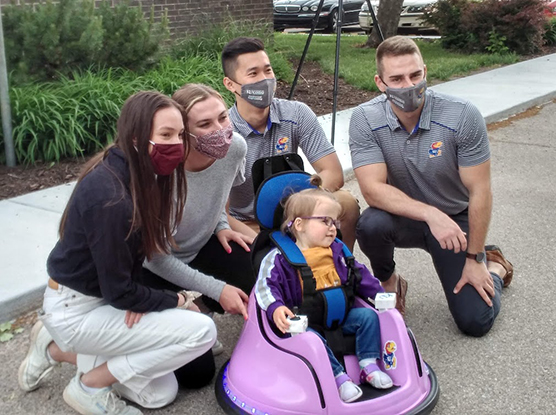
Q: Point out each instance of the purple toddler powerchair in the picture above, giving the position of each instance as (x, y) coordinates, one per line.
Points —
(272, 374)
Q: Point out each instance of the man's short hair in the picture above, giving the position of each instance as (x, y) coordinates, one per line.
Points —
(236, 47)
(395, 46)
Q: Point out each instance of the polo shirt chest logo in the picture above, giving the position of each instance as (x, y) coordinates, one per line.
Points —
(282, 146)
(435, 149)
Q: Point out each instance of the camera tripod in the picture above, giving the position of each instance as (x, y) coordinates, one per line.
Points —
(337, 58)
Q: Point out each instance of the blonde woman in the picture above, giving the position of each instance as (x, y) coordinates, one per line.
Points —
(209, 257)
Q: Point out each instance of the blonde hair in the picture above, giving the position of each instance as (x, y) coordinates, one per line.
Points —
(303, 203)
(395, 46)
(190, 94)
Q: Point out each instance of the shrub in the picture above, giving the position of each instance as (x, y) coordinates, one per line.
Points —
(211, 42)
(446, 16)
(491, 25)
(45, 41)
(130, 41)
(497, 43)
(77, 115)
(550, 32)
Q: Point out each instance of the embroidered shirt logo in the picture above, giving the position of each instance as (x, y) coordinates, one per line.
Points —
(282, 145)
(435, 150)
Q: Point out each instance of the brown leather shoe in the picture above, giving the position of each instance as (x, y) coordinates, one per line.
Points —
(401, 291)
(494, 254)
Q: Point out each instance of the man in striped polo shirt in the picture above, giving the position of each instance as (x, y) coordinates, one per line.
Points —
(422, 160)
(273, 126)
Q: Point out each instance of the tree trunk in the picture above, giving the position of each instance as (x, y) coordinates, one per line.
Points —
(388, 18)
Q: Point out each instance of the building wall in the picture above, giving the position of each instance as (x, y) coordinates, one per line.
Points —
(193, 16)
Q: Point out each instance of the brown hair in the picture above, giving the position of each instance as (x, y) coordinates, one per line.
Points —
(235, 48)
(155, 211)
(395, 46)
(303, 203)
(190, 94)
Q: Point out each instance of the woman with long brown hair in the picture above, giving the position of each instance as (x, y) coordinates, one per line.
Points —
(124, 336)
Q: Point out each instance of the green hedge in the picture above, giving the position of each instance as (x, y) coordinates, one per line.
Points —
(77, 116)
(46, 41)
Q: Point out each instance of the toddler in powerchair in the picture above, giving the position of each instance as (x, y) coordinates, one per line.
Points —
(332, 277)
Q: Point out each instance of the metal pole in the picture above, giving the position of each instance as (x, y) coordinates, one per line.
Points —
(313, 27)
(375, 21)
(336, 68)
(5, 102)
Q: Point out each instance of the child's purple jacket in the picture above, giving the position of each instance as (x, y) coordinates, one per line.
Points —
(278, 282)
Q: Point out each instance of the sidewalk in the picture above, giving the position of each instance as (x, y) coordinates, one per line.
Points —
(28, 223)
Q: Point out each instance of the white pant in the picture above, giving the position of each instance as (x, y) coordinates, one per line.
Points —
(142, 358)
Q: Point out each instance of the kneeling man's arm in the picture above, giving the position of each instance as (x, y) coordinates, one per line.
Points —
(330, 171)
(477, 180)
(379, 194)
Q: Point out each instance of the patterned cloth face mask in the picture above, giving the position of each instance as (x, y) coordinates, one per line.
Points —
(216, 143)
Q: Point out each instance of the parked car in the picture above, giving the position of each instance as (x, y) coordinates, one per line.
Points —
(300, 13)
(410, 16)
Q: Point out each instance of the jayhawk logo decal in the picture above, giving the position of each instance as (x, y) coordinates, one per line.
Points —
(389, 355)
(282, 145)
(435, 149)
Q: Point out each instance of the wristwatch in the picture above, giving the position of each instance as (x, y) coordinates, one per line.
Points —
(479, 257)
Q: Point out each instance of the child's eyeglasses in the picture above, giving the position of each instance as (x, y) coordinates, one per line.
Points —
(327, 220)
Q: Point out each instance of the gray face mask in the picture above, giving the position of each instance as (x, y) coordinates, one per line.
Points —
(259, 94)
(407, 99)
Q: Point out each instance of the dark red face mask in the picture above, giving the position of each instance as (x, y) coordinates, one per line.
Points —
(166, 157)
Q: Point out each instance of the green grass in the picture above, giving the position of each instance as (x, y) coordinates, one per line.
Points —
(357, 65)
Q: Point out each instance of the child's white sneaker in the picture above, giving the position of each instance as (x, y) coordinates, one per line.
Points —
(349, 391)
(105, 401)
(375, 377)
(379, 380)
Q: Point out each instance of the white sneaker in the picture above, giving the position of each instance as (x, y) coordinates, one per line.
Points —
(36, 365)
(217, 348)
(349, 391)
(105, 401)
(379, 380)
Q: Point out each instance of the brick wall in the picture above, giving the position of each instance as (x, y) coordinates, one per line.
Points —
(192, 16)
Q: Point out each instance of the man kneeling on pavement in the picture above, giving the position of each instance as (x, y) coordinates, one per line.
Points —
(422, 160)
